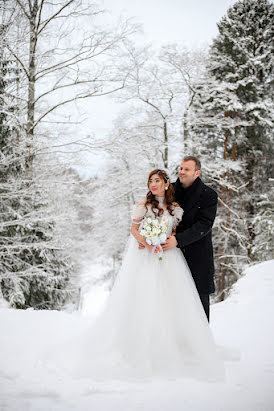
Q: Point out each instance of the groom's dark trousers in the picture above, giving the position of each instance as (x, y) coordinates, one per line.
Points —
(193, 234)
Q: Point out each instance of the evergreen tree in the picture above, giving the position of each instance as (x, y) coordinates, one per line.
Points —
(241, 57)
(264, 226)
(234, 112)
(33, 271)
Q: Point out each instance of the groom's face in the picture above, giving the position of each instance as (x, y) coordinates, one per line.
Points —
(187, 173)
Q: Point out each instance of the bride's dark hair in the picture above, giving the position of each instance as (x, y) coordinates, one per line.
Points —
(169, 194)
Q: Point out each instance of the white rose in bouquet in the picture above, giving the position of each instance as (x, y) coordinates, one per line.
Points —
(154, 231)
(162, 237)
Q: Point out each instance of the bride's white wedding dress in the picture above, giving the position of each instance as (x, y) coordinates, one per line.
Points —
(153, 323)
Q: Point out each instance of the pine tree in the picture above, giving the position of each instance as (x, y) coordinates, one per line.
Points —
(264, 226)
(234, 117)
(33, 271)
(241, 57)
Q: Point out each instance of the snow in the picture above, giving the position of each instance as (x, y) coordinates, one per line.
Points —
(241, 324)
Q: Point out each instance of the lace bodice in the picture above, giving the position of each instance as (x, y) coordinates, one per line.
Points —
(140, 213)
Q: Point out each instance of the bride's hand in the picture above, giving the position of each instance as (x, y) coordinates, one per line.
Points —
(150, 248)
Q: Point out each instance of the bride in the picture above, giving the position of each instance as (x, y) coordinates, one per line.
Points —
(153, 323)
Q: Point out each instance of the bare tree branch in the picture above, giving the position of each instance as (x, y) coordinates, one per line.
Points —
(95, 93)
(53, 16)
(23, 8)
(40, 13)
(19, 61)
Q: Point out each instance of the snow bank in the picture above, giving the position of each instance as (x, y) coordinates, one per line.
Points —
(241, 324)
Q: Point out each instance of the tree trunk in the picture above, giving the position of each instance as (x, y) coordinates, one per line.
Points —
(32, 70)
(165, 145)
(222, 268)
(185, 133)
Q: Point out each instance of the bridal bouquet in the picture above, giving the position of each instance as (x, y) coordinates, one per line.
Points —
(154, 231)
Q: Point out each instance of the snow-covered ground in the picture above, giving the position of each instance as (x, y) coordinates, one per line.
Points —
(243, 323)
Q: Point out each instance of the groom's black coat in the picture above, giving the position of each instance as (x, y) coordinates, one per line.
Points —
(193, 235)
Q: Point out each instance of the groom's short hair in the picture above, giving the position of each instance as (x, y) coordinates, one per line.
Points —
(196, 161)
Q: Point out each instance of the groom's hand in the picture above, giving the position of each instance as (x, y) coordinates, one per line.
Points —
(171, 242)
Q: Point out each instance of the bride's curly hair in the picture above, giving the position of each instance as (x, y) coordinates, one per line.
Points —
(169, 194)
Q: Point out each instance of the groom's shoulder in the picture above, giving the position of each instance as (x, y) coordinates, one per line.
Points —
(208, 192)
(176, 185)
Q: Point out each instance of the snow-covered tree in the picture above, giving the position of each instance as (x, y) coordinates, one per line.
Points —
(264, 225)
(32, 273)
(34, 270)
(242, 56)
(64, 55)
(234, 109)
(60, 58)
(160, 88)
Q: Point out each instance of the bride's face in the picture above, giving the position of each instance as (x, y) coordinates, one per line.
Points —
(156, 185)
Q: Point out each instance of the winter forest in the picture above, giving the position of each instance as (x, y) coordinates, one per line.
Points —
(215, 103)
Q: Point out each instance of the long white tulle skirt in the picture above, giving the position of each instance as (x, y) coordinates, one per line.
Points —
(153, 325)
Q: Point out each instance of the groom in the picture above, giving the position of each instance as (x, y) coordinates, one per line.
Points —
(193, 235)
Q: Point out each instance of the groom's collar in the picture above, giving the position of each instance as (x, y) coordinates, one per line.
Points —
(189, 195)
(178, 185)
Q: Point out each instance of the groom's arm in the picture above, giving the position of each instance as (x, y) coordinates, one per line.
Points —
(203, 225)
(200, 228)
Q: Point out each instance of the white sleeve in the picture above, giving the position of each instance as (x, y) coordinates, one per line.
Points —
(178, 214)
(138, 213)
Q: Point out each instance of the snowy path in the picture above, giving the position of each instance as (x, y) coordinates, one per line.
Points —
(244, 322)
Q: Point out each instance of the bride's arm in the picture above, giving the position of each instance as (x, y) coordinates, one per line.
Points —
(134, 230)
(136, 221)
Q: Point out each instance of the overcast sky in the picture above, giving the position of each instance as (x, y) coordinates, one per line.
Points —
(191, 22)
